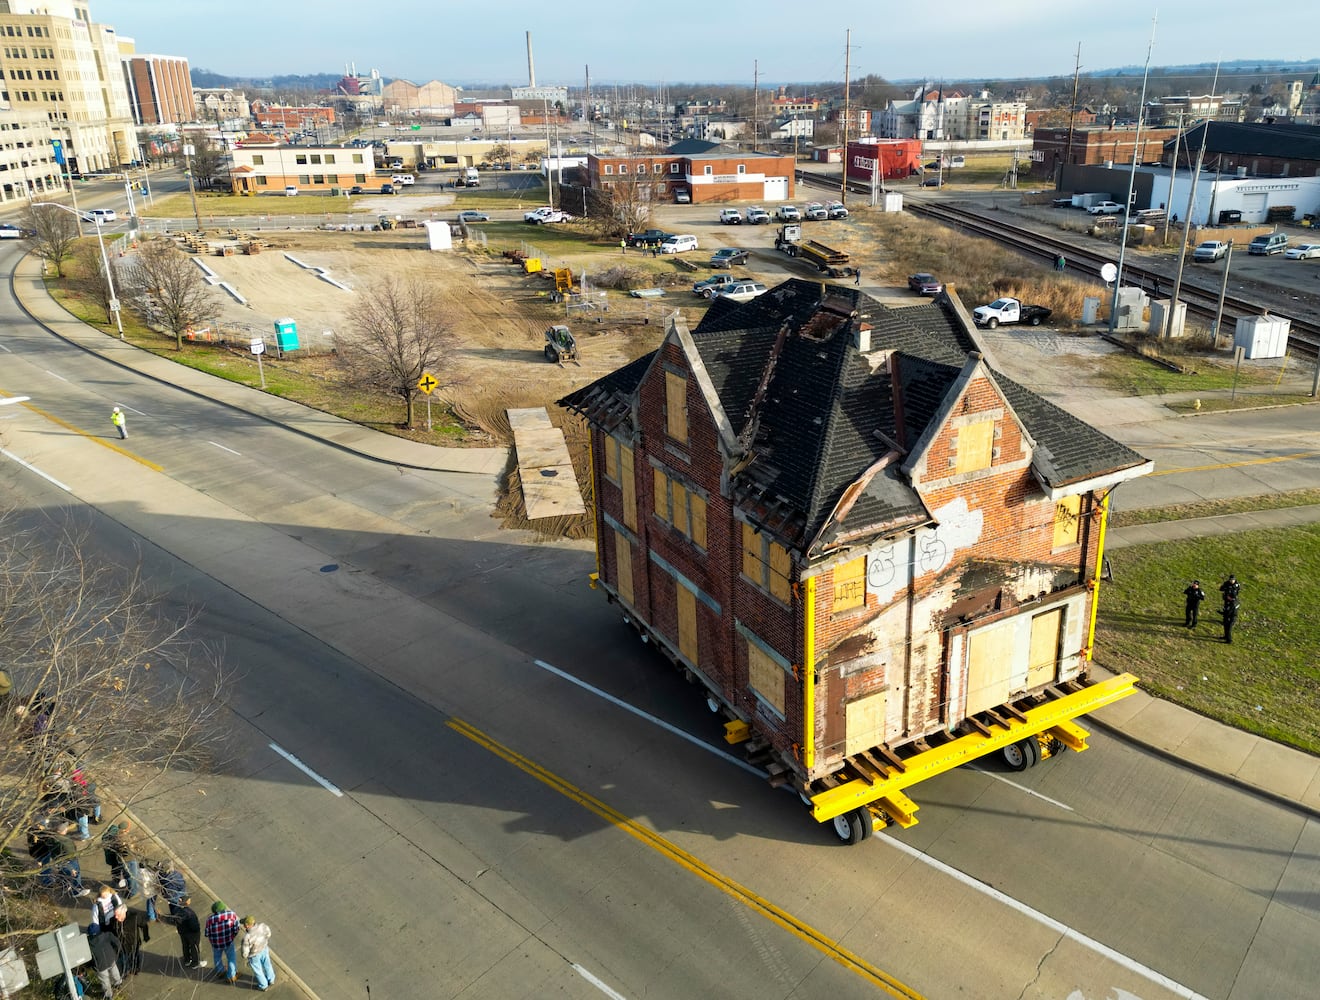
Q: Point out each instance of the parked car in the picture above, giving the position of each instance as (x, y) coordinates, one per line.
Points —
(758, 216)
(290, 191)
(707, 287)
(741, 291)
(1268, 244)
(9, 231)
(837, 210)
(730, 217)
(788, 213)
(1106, 208)
(815, 211)
(388, 189)
(728, 256)
(1210, 250)
(1303, 251)
(682, 196)
(925, 284)
(357, 189)
(679, 244)
(469, 215)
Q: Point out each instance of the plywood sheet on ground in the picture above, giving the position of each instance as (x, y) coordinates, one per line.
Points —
(549, 485)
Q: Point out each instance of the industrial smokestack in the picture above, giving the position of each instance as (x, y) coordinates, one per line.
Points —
(531, 66)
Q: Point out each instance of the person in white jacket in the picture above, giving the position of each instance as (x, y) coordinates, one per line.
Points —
(256, 949)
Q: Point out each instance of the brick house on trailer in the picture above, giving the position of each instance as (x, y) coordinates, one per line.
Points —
(812, 478)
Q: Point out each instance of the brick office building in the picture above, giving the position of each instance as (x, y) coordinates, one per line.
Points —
(160, 89)
(812, 498)
(709, 171)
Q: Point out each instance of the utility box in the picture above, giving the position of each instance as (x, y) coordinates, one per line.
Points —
(286, 335)
(1090, 310)
(1164, 323)
(1262, 337)
(1131, 305)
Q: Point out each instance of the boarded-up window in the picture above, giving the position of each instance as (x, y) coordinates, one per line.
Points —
(975, 444)
(623, 567)
(864, 723)
(1067, 521)
(766, 563)
(765, 677)
(850, 585)
(1043, 664)
(676, 423)
(629, 483)
(612, 459)
(989, 666)
(687, 623)
(677, 505)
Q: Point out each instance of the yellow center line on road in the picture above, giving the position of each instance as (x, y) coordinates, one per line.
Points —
(803, 931)
(93, 438)
(1238, 465)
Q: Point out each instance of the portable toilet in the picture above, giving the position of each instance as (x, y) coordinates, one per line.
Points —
(286, 335)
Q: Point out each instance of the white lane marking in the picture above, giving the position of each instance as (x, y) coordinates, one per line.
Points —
(306, 770)
(1021, 788)
(5, 349)
(1131, 964)
(667, 727)
(594, 981)
(223, 448)
(56, 374)
(32, 468)
(127, 407)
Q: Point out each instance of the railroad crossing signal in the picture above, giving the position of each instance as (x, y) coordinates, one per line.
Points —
(427, 383)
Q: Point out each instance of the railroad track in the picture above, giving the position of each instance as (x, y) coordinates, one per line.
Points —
(1304, 336)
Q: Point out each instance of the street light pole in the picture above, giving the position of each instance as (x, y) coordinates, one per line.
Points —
(105, 259)
(192, 190)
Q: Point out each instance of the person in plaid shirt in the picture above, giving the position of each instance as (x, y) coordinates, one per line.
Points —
(221, 930)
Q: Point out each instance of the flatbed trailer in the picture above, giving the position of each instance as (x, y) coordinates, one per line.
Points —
(825, 258)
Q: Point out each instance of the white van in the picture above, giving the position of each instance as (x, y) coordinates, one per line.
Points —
(471, 177)
(678, 244)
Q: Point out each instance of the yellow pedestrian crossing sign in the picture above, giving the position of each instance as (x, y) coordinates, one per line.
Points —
(427, 383)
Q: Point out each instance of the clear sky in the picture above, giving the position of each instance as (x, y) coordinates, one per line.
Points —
(626, 41)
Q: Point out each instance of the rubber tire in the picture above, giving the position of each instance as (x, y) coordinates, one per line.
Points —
(1021, 755)
(551, 355)
(1034, 321)
(992, 322)
(849, 828)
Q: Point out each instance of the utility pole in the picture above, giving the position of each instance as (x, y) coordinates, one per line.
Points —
(1072, 118)
(756, 99)
(192, 188)
(847, 80)
(1187, 219)
(1173, 173)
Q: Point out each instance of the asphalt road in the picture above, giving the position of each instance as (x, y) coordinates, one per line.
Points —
(477, 823)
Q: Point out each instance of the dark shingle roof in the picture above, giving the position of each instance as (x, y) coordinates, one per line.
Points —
(812, 414)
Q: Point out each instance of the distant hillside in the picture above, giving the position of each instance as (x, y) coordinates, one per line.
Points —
(308, 81)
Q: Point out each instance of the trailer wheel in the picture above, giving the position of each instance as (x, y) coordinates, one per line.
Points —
(853, 827)
(992, 322)
(1023, 754)
(550, 355)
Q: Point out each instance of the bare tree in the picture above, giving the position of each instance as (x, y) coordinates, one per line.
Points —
(208, 163)
(96, 685)
(167, 288)
(399, 334)
(56, 232)
(91, 281)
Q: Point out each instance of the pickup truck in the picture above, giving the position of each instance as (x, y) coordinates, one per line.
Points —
(837, 210)
(815, 211)
(1008, 310)
(757, 216)
(1210, 250)
(1106, 208)
(730, 217)
(716, 283)
(648, 238)
(544, 214)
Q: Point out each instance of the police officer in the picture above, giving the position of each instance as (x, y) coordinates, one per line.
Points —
(1192, 607)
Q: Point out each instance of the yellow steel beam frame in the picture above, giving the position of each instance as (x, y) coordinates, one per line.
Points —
(1053, 717)
(809, 674)
(1099, 569)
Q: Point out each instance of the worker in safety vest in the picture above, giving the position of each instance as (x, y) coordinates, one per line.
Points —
(117, 418)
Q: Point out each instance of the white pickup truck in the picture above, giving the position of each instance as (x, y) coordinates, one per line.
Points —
(544, 214)
(1008, 310)
(1106, 208)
